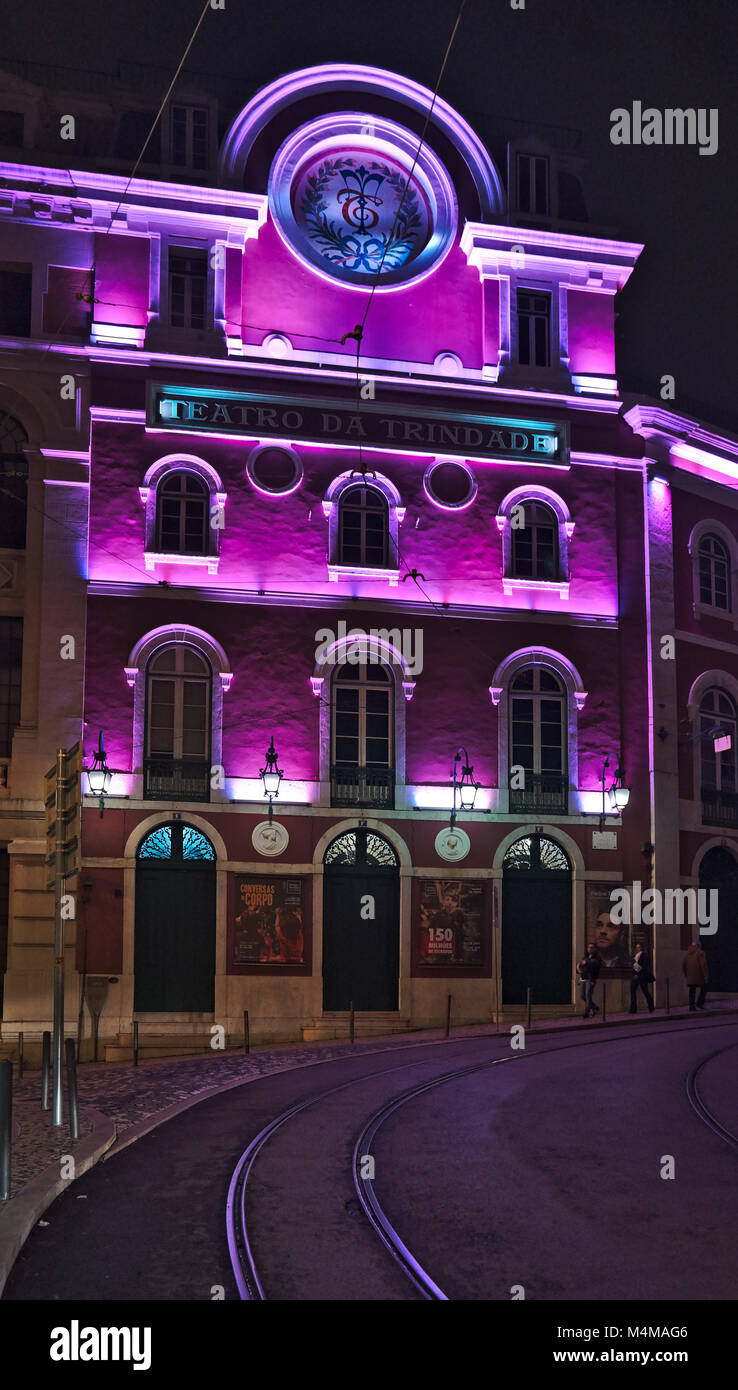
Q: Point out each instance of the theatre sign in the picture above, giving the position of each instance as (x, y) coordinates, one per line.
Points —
(292, 418)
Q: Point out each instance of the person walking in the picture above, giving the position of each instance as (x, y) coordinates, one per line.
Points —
(643, 976)
(696, 974)
(589, 968)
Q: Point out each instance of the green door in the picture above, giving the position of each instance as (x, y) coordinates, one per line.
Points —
(174, 953)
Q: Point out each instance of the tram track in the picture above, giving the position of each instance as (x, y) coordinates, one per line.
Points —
(243, 1260)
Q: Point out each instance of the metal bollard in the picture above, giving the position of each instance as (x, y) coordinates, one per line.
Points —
(20, 1056)
(529, 1000)
(668, 1002)
(246, 1032)
(448, 1015)
(352, 1022)
(135, 1044)
(72, 1097)
(45, 1070)
(6, 1127)
(604, 1001)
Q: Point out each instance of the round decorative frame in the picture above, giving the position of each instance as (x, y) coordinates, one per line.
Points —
(380, 138)
(256, 482)
(438, 501)
(452, 844)
(270, 838)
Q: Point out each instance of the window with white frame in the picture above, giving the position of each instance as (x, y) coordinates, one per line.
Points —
(362, 742)
(717, 727)
(182, 515)
(535, 544)
(714, 573)
(534, 328)
(188, 286)
(538, 741)
(178, 724)
(363, 528)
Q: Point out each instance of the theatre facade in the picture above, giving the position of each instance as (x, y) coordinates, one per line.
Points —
(397, 616)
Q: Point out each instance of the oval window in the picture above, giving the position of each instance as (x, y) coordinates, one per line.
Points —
(274, 471)
(450, 484)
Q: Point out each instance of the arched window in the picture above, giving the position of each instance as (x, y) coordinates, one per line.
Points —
(363, 528)
(538, 747)
(535, 548)
(14, 483)
(362, 742)
(714, 573)
(177, 738)
(182, 515)
(717, 730)
(176, 841)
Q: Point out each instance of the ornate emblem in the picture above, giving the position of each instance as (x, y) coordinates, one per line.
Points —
(269, 838)
(452, 845)
(362, 215)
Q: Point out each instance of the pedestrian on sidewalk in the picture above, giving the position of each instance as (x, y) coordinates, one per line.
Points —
(696, 974)
(643, 976)
(588, 969)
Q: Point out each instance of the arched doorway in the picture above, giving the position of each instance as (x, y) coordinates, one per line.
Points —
(536, 922)
(174, 950)
(361, 923)
(719, 870)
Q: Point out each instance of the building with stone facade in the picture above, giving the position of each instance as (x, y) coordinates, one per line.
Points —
(326, 456)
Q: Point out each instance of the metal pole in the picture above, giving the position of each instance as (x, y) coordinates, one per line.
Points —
(57, 1116)
(95, 1034)
(448, 1015)
(20, 1056)
(494, 957)
(45, 1069)
(667, 995)
(528, 1005)
(135, 1043)
(246, 1033)
(604, 1001)
(6, 1126)
(351, 1022)
(72, 1088)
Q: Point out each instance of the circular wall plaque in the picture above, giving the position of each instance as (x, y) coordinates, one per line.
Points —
(269, 839)
(452, 844)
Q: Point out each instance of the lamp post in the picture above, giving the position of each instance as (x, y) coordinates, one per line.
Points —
(99, 776)
(467, 787)
(271, 776)
(618, 795)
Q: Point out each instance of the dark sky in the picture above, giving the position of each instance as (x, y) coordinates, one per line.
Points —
(561, 62)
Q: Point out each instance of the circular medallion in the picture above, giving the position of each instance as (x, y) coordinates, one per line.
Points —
(353, 197)
(452, 844)
(269, 838)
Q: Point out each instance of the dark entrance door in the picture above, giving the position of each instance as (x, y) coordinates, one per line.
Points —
(361, 923)
(719, 870)
(174, 955)
(536, 922)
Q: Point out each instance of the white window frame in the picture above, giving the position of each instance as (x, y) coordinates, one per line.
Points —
(576, 697)
(534, 493)
(179, 676)
(700, 609)
(395, 515)
(148, 494)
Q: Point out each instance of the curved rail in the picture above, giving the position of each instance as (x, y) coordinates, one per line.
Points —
(698, 1105)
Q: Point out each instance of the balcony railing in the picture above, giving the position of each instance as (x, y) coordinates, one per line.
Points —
(362, 786)
(543, 791)
(173, 779)
(719, 808)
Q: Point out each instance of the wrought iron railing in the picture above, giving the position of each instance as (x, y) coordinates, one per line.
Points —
(543, 791)
(719, 808)
(362, 786)
(176, 779)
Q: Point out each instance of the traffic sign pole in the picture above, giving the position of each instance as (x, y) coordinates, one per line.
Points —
(58, 1038)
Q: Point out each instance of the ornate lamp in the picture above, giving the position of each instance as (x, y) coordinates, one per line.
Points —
(465, 784)
(271, 776)
(618, 795)
(99, 776)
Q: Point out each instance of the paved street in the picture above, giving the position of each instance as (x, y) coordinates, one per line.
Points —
(542, 1170)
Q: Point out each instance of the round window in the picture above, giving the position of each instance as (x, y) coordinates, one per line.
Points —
(450, 484)
(274, 471)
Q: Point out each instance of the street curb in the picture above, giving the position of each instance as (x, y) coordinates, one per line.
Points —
(19, 1216)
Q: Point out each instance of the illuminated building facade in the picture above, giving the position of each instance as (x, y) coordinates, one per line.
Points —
(349, 465)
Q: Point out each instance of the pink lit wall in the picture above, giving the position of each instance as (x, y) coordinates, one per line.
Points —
(591, 333)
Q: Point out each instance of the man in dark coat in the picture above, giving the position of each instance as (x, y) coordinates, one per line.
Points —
(589, 968)
(696, 974)
(643, 976)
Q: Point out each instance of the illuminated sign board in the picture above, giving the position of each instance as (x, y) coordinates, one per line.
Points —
(280, 417)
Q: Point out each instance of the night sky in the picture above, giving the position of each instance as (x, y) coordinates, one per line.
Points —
(558, 62)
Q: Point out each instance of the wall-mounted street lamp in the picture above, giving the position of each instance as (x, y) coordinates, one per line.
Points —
(465, 785)
(618, 795)
(271, 776)
(99, 776)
